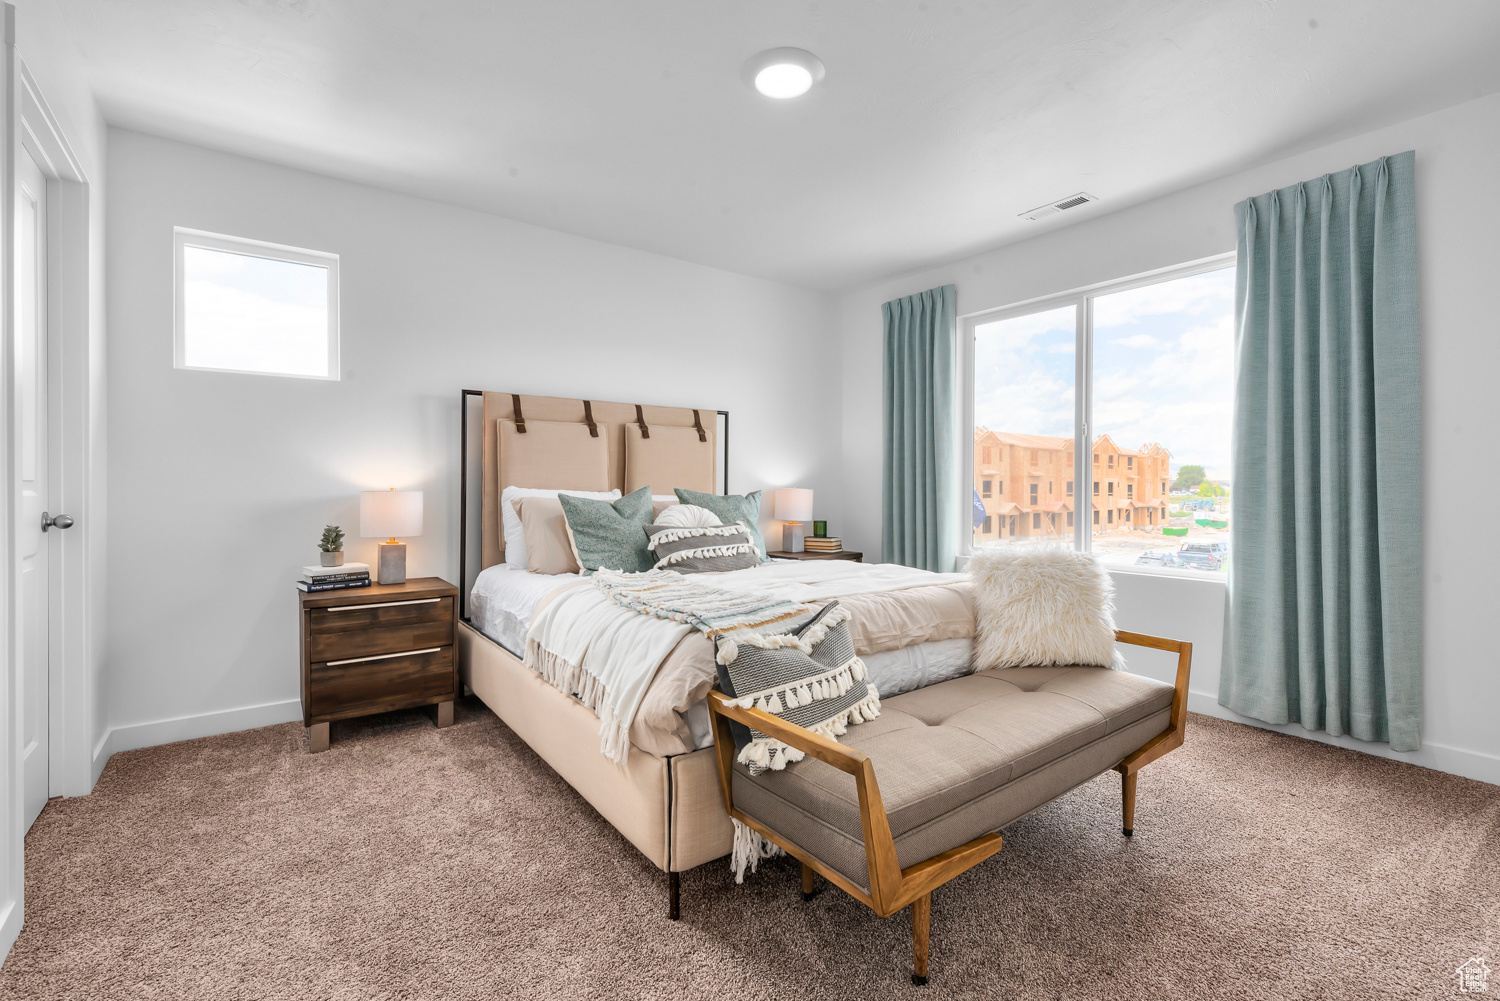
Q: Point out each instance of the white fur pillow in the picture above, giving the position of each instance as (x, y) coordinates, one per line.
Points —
(688, 516)
(1037, 606)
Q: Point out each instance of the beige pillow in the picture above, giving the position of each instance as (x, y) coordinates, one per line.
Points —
(546, 530)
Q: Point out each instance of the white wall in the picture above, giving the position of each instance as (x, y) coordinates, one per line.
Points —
(1457, 152)
(221, 483)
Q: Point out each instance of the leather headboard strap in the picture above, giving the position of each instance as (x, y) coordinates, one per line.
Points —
(698, 425)
(588, 418)
(515, 401)
(640, 418)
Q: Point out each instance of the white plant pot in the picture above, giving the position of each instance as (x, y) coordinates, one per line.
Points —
(332, 559)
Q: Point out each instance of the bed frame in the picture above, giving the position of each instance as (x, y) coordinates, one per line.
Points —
(668, 807)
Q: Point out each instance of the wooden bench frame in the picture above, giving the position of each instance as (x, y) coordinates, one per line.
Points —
(893, 888)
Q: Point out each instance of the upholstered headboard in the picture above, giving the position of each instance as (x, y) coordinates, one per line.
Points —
(568, 444)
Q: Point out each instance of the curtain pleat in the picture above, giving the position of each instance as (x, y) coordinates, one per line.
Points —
(1325, 618)
(920, 526)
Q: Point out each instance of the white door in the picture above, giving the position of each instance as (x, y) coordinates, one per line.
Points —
(31, 468)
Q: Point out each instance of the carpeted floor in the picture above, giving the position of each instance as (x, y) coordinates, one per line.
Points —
(411, 862)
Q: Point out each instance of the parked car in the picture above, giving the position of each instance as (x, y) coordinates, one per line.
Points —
(1157, 559)
(1202, 555)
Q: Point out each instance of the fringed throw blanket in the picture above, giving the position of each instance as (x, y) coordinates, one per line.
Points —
(604, 639)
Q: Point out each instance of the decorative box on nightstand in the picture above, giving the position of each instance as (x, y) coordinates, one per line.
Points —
(840, 554)
(371, 649)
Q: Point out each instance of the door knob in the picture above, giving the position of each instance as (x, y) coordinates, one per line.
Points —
(55, 521)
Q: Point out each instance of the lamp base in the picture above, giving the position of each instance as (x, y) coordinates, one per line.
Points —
(791, 537)
(392, 563)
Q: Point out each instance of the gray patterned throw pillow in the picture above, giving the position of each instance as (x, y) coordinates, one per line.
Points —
(810, 677)
(699, 549)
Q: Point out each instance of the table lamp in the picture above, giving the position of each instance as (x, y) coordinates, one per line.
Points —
(793, 506)
(387, 514)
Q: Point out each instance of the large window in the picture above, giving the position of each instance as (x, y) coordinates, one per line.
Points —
(1130, 384)
(246, 306)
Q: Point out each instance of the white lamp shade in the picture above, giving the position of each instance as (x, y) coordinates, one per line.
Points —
(394, 514)
(794, 504)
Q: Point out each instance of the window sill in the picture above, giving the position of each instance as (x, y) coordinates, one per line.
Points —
(1177, 573)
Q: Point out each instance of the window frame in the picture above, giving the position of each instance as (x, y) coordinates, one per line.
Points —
(1082, 299)
(182, 238)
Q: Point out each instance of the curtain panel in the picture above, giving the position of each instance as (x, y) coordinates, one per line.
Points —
(920, 502)
(1325, 616)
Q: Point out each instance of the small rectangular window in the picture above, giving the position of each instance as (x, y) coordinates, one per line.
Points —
(989, 486)
(1036, 521)
(1096, 488)
(1129, 462)
(247, 306)
(1111, 489)
(986, 528)
(1070, 519)
(1109, 516)
(1130, 491)
(1033, 493)
(999, 486)
(1096, 514)
(1070, 488)
(1109, 463)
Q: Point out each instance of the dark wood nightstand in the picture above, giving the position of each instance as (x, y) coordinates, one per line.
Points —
(842, 554)
(371, 649)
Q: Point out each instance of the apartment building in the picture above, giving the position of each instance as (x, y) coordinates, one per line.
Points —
(1025, 483)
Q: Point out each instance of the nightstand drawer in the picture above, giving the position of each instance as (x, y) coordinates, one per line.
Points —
(340, 632)
(366, 684)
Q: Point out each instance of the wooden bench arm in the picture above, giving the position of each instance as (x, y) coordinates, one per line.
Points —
(831, 752)
(1173, 736)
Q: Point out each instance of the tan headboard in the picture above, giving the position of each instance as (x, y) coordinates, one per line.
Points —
(567, 457)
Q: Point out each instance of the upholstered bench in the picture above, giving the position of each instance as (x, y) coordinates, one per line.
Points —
(943, 768)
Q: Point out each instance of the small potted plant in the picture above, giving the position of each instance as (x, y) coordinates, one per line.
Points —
(331, 546)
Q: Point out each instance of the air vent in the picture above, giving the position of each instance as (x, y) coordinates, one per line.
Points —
(1062, 205)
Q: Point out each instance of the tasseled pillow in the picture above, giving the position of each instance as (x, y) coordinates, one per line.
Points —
(810, 677)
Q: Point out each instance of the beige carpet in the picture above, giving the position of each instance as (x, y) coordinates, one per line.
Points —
(411, 862)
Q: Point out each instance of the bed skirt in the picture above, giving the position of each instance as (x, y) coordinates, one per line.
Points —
(670, 808)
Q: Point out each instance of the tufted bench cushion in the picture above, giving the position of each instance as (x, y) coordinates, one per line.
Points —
(962, 758)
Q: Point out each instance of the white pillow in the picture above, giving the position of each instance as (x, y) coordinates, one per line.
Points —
(1037, 606)
(688, 516)
(515, 535)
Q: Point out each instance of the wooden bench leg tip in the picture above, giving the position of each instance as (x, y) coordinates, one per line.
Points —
(1129, 832)
(918, 980)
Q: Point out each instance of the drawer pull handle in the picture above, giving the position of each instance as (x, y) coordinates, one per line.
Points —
(382, 656)
(380, 604)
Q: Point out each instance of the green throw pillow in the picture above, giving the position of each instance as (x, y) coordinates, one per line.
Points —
(609, 534)
(743, 508)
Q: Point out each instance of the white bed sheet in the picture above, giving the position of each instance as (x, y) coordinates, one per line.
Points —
(504, 599)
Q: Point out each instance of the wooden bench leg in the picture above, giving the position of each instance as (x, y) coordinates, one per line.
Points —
(921, 920)
(317, 738)
(1127, 792)
(809, 882)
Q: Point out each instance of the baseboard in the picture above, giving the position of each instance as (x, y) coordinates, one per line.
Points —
(169, 731)
(1439, 757)
(10, 927)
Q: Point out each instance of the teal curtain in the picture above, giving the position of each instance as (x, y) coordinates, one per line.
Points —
(1325, 600)
(921, 458)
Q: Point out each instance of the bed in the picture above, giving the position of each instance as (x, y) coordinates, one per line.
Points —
(663, 793)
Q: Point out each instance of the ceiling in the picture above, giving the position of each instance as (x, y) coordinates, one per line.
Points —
(938, 121)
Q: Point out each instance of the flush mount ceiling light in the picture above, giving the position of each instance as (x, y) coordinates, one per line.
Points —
(783, 73)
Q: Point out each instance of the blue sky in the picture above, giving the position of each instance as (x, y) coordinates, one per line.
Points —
(1163, 370)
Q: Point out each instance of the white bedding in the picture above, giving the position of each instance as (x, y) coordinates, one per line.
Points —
(505, 598)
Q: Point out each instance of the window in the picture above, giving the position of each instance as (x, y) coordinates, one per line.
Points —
(1033, 493)
(1156, 354)
(999, 486)
(246, 306)
(989, 486)
(1070, 519)
(985, 529)
(1036, 522)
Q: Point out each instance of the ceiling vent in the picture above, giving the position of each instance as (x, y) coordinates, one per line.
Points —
(1061, 205)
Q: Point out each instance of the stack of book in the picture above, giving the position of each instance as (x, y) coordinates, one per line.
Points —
(830, 545)
(335, 578)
